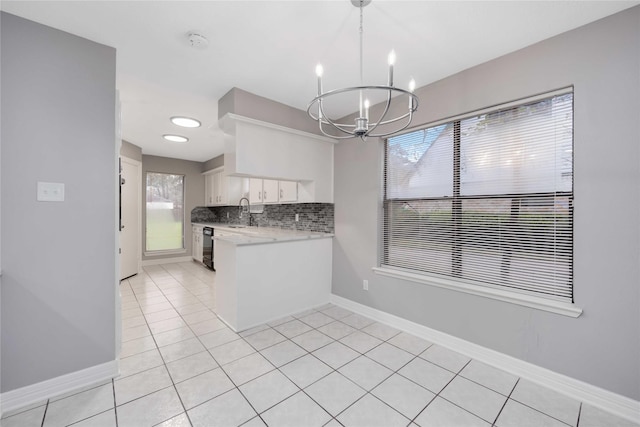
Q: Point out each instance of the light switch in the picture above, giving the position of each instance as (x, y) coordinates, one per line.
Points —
(50, 192)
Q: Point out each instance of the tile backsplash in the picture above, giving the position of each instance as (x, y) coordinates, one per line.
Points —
(311, 216)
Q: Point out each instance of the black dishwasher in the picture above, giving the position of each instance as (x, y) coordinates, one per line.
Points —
(207, 247)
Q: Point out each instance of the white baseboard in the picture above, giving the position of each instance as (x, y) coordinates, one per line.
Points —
(34, 393)
(165, 260)
(608, 401)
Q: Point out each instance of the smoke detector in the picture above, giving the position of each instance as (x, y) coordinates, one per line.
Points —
(197, 40)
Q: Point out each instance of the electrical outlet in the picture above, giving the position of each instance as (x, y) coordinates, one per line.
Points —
(365, 285)
(297, 217)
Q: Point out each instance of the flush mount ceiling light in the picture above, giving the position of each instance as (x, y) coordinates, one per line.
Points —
(185, 122)
(175, 138)
(363, 127)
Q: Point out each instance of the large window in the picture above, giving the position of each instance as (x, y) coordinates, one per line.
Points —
(165, 212)
(486, 200)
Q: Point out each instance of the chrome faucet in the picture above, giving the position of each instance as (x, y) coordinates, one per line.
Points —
(241, 209)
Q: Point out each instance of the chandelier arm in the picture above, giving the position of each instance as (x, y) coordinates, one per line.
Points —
(396, 119)
(405, 115)
(406, 125)
(336, 126)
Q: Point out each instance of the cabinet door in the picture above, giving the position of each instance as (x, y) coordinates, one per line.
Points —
(255, 190)
(200, 250)
(269, 191)
(209, 190)
(288, 191)
(194, 245)
(216, 177)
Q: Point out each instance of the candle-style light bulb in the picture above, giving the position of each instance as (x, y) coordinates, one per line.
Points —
(392, 60)
(319, 71)
(392, 57)
(366, 109)
(412, 87)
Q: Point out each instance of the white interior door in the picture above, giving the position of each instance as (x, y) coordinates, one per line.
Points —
(131, 205)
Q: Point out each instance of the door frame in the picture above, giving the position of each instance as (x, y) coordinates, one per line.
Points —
(138, 188)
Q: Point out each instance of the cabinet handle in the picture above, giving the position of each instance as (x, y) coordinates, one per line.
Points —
(259, 195)
(281, 196)
(264, 197)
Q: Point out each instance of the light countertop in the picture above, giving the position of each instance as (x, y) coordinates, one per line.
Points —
(243, 235)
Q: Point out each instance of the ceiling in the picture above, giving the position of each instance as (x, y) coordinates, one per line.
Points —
(271, 48)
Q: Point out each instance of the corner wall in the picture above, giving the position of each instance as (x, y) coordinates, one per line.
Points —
(601, 347)
(58, 258)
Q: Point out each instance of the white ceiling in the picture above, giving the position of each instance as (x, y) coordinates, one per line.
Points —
(271, 48)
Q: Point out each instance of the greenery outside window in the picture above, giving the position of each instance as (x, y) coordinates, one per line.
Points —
(486, 200)
(165, 212)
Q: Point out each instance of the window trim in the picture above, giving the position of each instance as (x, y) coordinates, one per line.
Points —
(164, 252)
(513, 297)
(468, 286)
(175, 251)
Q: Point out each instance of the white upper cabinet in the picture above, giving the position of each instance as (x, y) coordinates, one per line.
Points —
(255, 191)
(269, 191)
(221, 189)
(272, 191)
(287, 191)
(209, 194)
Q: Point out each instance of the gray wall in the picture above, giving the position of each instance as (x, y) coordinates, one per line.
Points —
(131, 151)
(602, 347)
(59, 267)
(247, 104)
(194, 192)
(216, 162)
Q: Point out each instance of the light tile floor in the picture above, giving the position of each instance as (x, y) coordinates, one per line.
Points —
(182, 366)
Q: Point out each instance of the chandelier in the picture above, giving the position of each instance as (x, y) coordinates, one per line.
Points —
(363, 126)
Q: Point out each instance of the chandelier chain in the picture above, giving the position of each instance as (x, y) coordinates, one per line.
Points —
(361, 44)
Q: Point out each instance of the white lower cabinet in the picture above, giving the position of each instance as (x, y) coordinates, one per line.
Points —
(196, 242)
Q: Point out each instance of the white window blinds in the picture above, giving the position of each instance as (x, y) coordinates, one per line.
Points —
(486, 199)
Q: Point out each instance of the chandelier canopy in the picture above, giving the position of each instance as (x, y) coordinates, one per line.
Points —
(363, 126)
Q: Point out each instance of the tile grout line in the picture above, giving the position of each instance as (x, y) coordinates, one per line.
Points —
(44, 415)
(438, 395)
(579, 414)
(505, 403)
(115, 408)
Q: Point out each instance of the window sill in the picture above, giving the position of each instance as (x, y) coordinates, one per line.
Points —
(167, 252)
(558, 307)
